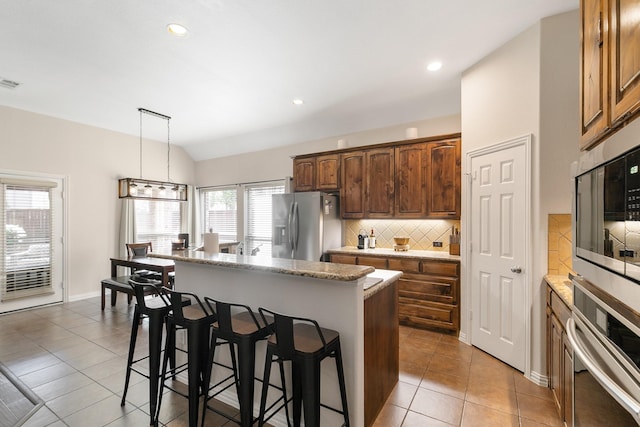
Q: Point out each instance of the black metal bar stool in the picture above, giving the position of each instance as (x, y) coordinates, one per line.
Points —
(303, 342)
(237, 325)
(196, 319)
(155, 309)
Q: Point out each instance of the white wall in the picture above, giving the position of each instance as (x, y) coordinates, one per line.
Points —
(529, 86)
(559, 147)
(92, 159)
(276, 163)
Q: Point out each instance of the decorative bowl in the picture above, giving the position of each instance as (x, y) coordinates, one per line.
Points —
(401, 240)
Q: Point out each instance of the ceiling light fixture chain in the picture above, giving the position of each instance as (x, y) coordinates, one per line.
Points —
(168, 150)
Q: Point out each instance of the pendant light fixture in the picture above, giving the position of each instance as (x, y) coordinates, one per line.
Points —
(144, 189)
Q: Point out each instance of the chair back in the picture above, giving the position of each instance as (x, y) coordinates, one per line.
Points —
(284, 329)
(224, 312)
(177, 299)
(138, 249)
(142, 287)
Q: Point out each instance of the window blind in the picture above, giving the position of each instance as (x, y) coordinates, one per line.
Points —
(258, 205)
(158, 222)
(221, 211)
(27, 231)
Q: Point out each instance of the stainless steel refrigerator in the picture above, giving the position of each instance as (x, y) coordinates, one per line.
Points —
(305, 225)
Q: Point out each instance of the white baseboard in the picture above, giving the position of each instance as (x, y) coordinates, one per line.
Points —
(539, 379)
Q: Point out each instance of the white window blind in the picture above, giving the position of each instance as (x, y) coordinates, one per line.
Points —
(258, 220)
(158, 222)
(221, 211)
(26, 250)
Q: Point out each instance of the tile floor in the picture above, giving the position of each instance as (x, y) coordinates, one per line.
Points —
(74, 356)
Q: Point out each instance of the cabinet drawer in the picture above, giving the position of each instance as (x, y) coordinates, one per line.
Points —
(343, 259)
(441, 268)
(373, 261)
(415, 287)
(419, 313)
(404, 265)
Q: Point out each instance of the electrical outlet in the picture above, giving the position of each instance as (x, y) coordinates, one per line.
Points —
(437, 244)
(627, 253)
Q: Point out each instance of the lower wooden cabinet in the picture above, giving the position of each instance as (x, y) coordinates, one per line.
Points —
(428, 291)
(559, 356)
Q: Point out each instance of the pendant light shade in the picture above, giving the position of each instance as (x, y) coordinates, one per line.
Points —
(140, 188)
(135, 188)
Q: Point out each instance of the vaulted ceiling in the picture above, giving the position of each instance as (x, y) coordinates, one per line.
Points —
(229, 83)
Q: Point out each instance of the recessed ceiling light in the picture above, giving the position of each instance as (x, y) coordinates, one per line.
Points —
(434, 66)
(177, 30)
(298, 101)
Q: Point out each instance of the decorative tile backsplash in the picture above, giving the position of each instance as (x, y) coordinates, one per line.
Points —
(559, 244)
(422, 233)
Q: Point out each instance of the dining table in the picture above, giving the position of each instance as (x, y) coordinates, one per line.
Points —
(162, 266)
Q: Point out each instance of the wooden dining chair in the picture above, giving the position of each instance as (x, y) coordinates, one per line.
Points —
(138, 249)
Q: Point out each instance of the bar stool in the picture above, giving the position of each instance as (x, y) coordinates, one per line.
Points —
(156, 309)
(196, 319)
(237, 325)
(303, 342)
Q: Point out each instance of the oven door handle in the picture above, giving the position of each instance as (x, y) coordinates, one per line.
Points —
(623, 398)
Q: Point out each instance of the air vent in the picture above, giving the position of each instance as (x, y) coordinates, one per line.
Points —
(9, 84)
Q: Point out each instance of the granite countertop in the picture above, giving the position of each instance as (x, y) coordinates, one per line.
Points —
(562, 286)
(317, 270)
(386, 252)
(378, 280)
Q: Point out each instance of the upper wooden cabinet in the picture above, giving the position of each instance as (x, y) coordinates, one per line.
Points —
(379, 187)
(609, 68)
(624, 42)
(328, 172)
(410, 183)
(594, 94)
(443, 179)
(352, 192)
(404, 179)
(304, 174)
(316, 173)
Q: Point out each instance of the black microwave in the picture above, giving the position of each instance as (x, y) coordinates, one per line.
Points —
(608, 215)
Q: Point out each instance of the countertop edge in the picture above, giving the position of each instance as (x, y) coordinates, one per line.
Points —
(386, 252)
(312, 269)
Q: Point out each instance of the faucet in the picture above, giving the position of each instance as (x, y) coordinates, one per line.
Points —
(255, 250)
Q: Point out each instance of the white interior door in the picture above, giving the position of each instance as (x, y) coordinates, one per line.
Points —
(499, 223)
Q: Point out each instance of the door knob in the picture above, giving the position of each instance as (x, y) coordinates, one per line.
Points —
(516, 269)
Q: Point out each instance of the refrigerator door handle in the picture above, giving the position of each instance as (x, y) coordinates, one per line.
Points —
(290, 228)
(295, 229)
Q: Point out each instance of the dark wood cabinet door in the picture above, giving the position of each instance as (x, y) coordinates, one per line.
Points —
(555, 369)
(443, 179)
(624, 39)
(328, 172)
(594, 80)
(304, 174)
(410, 201)
(379, 183)
(352, 171)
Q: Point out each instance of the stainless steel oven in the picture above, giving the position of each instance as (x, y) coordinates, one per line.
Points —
(605, 335)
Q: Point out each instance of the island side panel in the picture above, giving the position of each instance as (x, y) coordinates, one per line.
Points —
(381, 349)
(334, 304)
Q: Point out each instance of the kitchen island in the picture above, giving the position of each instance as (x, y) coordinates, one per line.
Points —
(332, 294)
